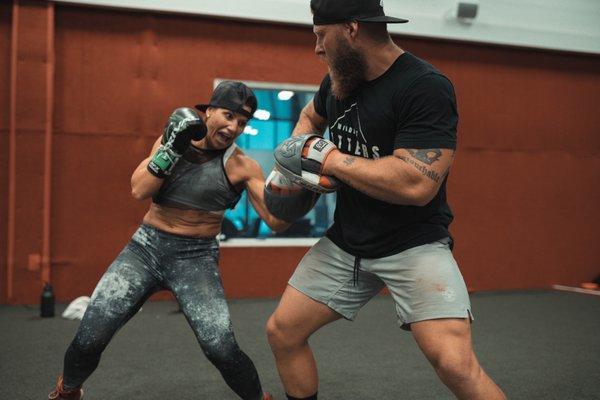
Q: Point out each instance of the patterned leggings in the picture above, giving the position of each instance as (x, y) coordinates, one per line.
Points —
(186, 266)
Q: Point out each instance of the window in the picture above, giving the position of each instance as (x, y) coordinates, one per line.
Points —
(278, 110)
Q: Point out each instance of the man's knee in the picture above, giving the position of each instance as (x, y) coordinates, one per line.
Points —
(457, 369)
(282, 336)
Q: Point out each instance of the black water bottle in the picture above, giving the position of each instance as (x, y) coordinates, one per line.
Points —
(47, 302)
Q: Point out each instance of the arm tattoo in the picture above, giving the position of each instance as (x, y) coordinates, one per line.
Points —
(434, 176)
(349, 161)
(427, 156)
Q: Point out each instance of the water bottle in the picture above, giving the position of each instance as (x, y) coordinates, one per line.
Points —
(47, 302)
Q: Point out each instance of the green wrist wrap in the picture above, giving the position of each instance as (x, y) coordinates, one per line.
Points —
(163, 161)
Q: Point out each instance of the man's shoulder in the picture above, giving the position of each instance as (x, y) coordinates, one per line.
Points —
(410, 68)
(416, 76)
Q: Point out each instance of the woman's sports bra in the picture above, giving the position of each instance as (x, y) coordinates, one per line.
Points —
(199, 186)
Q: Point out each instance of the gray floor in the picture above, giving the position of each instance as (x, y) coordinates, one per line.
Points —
(536, 345)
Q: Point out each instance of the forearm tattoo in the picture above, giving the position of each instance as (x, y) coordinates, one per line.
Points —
(426, 156)
(434, 176)
(349, 161)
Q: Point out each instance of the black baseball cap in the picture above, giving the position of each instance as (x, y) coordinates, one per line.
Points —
(327, 12)
(233, 96)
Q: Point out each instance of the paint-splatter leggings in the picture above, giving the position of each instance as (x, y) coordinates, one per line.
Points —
(188, 267)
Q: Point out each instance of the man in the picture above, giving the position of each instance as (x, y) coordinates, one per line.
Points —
(392, 119)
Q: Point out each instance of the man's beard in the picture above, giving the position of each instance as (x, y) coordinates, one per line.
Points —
(347, 70)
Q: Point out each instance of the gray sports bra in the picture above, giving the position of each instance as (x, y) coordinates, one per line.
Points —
(202, 187)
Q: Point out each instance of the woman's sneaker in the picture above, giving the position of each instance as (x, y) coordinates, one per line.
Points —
(60, 393)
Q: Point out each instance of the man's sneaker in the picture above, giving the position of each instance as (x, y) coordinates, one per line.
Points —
(267, 396)
(60, 393)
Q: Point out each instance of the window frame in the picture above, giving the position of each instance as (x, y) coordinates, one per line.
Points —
(269, 241)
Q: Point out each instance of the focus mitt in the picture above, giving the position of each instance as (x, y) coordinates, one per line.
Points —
(301, 159)
(286, 200)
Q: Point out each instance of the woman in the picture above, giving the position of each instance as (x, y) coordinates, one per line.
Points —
(193, 174)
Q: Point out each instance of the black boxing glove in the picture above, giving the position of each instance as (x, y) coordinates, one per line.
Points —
(184, 126)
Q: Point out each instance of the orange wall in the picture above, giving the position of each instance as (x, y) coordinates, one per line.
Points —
(521, 187)
(5, 25)
(523, 184)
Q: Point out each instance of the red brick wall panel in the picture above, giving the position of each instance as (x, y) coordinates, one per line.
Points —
(5, 37)
(522, 186)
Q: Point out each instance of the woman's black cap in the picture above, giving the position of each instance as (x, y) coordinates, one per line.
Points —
(233, 96)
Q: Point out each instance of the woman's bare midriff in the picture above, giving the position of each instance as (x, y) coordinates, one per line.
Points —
(183, 222)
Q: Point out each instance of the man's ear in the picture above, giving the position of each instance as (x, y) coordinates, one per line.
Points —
(351, 29)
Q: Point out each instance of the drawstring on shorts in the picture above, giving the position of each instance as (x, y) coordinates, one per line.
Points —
(356, 270)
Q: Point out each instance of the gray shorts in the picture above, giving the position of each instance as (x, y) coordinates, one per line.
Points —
(424, 281)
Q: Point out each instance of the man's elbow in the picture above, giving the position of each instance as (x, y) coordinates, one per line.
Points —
(420, 197)
(422, 201)
(417, 195)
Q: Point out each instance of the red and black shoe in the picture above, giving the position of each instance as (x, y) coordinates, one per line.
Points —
(60, 393)
(267, 396)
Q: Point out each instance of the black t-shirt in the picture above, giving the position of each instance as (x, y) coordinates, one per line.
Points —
(412, 105)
